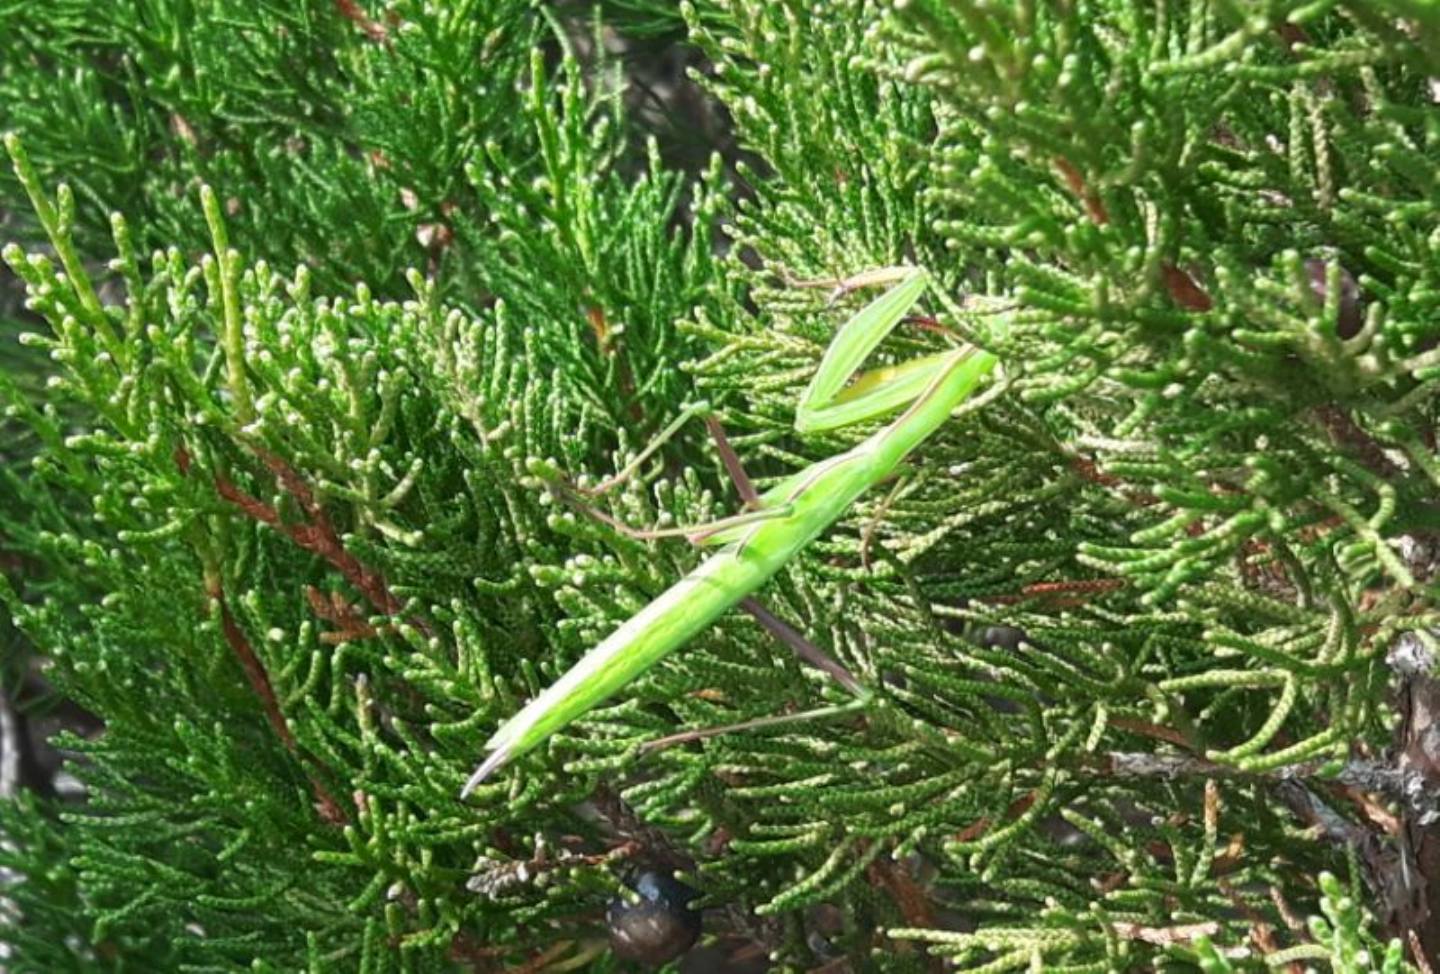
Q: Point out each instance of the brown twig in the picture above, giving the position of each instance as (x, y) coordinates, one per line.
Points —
(1388, 872)
(1366, 775)
(1262, 934)
(1094, 206)
(1372, 809)
(543, 959)
(496, 878)
(1183, 290)
(910, 898)
(250, 663)
(1412, 894)
(1417, 952)
(1347, 434)
(1293, 920)
(1090, 470)
(980, 826)
(1157, 731)
(329, 809)
(465, 949)
(372, 28)
(318, 536)
(1165, 936)
(335, 609)
(654, 843)
(1059, 594)
(605, 340)
(326, 805)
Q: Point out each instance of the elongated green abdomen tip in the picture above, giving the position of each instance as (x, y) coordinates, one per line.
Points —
(496, 760)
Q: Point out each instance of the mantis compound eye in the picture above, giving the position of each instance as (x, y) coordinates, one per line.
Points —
(657, 928)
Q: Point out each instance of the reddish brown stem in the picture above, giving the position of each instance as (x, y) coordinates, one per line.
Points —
(980, 826)
(318, 536)
(909, 896)
(1094, 206)
(328, 808)
(1060, 594)
(1156, 731)
(1183, 289)
(1360, 444)
(335, 609)
(254, 671)
(372, 29)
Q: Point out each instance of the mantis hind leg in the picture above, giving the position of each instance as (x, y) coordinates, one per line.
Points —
(803, 647)
(872, 523)
(855, 706)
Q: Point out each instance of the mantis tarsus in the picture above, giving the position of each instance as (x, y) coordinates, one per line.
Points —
(755, 545)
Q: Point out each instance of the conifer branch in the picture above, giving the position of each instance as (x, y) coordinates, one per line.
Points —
(1131, 630)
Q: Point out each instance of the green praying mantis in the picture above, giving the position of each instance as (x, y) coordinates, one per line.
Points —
(753, 546)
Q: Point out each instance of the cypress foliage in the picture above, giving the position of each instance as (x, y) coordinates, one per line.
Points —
(1149, 633)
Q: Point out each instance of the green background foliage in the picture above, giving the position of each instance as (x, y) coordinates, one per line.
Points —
(266, 475)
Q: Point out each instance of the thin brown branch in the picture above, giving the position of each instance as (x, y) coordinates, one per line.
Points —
(1411, 895)
(909, 897)
(1417, 952)
(370, 27)
(655, 843)
(1293, 920)
(605, 337)
(1262, 933)
(1183, 290)
(1166, 936)
(1348, 435)
(1089, 470)
(254, 671)
(350, 625)
(1059, 594)
(318, 536)
(980, 826)
(1367, 775)
(1094, 206)
(326, 805)
(543, 959)
(1146, 729)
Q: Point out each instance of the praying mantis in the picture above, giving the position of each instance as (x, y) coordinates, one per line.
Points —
(753, 546)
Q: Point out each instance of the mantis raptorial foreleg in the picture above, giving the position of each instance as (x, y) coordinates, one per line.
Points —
(696, 533)
(798, 509)
(701, 409)
(777, 627)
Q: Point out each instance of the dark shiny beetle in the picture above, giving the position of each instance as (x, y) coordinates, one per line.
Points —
(657, 927)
